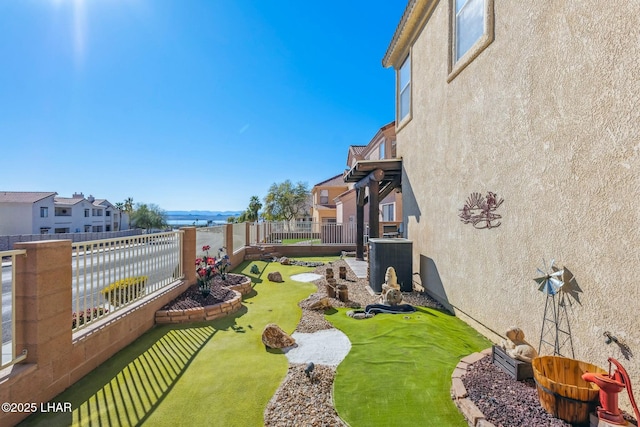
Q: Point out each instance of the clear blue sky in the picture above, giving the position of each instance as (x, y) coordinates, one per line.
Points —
(188, 104)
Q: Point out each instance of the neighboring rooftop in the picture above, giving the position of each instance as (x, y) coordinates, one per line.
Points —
(332, 182)
(24, 196)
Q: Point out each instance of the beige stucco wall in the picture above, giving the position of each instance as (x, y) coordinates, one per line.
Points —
(548, 117)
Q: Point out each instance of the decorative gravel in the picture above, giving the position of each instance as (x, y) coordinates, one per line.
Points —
(504, 401)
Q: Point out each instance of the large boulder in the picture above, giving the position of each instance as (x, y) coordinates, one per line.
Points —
(275, 276)
(274, 337)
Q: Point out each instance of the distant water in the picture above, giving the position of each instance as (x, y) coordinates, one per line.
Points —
(198, 221)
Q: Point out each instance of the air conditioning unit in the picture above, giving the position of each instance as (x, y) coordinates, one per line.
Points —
(396, 253)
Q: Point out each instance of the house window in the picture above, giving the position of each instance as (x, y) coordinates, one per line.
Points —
(61, 230)
(44, 230)
(107, 213)
(86, 213)
(44, 213)
(324, 197)
(404, 89)
(469, 24)
(472, 24)
(388, 212)
(381, 155)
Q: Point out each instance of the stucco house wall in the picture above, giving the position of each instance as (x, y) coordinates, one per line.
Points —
(16, 218)
(548, 118)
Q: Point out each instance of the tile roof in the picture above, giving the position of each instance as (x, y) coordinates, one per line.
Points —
(67, 200)
(336, 181)
(24, 196)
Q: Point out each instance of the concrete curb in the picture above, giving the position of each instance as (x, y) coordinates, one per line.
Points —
(459, 394)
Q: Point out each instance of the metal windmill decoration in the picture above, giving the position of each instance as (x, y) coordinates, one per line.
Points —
(556, 331)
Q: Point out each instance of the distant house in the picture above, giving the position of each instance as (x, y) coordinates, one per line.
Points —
(324, 196)
(537, 105)
(47, 213)
(26, 212)
(381, 147)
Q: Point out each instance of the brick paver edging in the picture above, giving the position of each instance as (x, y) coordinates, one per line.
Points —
(474, 416)
(209, 312)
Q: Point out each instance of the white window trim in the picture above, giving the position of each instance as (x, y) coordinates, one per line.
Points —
(393, 209)
(455, 67)
(401, 122)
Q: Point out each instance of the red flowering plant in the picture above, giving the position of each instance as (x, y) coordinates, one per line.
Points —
(206, 269)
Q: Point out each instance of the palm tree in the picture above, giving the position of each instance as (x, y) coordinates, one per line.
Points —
(128, 208)
(120, 207)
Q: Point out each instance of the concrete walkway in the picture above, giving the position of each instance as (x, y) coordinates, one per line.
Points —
(359, 268)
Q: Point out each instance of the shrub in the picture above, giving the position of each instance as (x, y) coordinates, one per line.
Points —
(81, 317)
(125, 290)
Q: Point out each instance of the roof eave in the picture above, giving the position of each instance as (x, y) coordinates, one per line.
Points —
(413, 19)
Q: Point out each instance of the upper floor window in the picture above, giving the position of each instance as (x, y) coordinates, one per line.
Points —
(472, 25)
(388, 212)
(469, 24)
(107, 213)
(404, 89)
(86, 213)
(44, 212)
(324, 197)
(381, 155)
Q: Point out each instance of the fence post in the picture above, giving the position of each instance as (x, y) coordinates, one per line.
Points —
(43, 312)
(247, 234)
(189, 254)
(228, 238)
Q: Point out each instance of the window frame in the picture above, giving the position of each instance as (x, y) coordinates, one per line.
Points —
(487, 37)
(324, 197)
(392, 208)
(44, 212)
(401, 121)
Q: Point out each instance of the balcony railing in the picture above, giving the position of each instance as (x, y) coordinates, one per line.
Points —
(111, 274)
(8, 325)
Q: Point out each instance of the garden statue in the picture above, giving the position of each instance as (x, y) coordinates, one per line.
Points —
(516, 346)
(391, 294)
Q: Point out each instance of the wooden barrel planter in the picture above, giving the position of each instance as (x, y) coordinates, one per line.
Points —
(343, 293)
(562, 391)
(329, 273)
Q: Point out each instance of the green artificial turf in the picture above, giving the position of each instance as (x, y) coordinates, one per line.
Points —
(398, 372)
(214, 373)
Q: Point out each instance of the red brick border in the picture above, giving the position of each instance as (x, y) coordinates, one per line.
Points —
(210, 312)
(474, 416)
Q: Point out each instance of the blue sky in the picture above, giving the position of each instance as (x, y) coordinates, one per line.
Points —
(188, 104)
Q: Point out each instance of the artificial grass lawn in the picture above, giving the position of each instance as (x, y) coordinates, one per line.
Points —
(398, 372)
(214, 373)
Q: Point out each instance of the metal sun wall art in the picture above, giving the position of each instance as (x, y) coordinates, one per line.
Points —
(479, 211)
